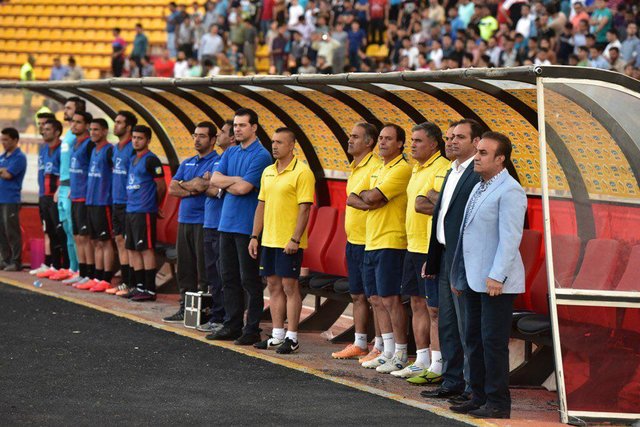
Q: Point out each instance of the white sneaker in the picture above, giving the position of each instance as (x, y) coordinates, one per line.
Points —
(73, 279)
(378, 361)
(395, 364)
(269, 344)
(410, 371)
(40, 269)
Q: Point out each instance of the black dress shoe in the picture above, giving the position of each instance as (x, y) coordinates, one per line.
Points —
(460, 399)
(439, 393)
(224, 334)
(486, 412)
(465, 408)
(248, 339)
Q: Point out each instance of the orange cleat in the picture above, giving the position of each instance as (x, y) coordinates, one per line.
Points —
(47, 273)
(372, 355)
(123, 292)
(350, 352)
(115, 289)
(62, 275)
(88, 285)
(100, 286)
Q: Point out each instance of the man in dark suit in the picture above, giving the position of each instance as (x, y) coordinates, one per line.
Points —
(447, 219)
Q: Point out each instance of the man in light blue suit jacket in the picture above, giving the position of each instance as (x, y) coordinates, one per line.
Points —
(487, 271)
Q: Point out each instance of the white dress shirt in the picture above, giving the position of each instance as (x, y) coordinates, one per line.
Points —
(457, 170)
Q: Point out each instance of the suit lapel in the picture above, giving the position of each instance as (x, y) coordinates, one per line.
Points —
(465, 175)
(436, 208)
(493, 187)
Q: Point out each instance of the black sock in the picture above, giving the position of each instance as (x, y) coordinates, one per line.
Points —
(47, 260)
(139, 279)
(83, 270)
(124, 271)
(150, 280)
(99, 274)
(107, 276)
(91, 271)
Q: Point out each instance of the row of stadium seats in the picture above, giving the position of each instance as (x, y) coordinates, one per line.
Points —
(84, 10)
(11, 72)
(75, 35)
(46, 60)
(55, 22)
(67, 48)
(162, 3)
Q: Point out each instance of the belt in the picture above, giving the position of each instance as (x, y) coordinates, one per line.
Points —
(65, 182)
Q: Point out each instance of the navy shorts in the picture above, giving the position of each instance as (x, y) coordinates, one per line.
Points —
(382, 272)
(274, 262)
(432, 286)
(355, 259)
(412, 282)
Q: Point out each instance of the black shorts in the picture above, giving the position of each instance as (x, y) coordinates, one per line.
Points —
(99, 221)
(48, 214)
(79, 219)
(413, 284)
(273, 261)
(140, 234)
(119, 214)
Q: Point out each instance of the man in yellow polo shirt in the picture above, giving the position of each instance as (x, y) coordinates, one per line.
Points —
(284, 202)
(384, 196)
(427, 149)
(362, 141)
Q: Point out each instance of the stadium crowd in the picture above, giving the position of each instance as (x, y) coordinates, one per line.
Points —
(322, 36)
(441, 227)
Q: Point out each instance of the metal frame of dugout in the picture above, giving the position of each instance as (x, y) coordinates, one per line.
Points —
(577, 151)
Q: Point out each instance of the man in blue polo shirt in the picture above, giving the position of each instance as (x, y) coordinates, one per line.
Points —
(190, 184)
(13, 165)
(239, 174)
(212, 211)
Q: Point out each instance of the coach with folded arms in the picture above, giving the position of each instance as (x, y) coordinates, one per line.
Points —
(487, 272)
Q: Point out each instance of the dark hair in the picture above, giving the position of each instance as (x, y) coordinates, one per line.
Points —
(46, 116)
(101, 122)
(139, 25)
(130, 119)
(11, 133)
(57, 126)
(117, 30)
(401, 135)
(432, 131)
(72, 60)
(253, 117)
(612, 31)
(476, 128)
(211, 128)
(78, 102)
(370, 132)
(583, 48)
(614, 48)
(230, 123)
(285, 129)
(504, 144)
(146, 130)
(86, 117)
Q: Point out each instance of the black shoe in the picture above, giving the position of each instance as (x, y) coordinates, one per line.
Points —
(224, 334)
(458, 400)
(248, 339)
(178, 317)
(439, 393)
(465, 408)
(486, 412)
(268, 344)
(145, 296)
(132, 293)
(288, 346)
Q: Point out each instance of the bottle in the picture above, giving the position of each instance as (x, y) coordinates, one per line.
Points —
(37, 283)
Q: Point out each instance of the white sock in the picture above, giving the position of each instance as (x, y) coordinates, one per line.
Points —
(389, 345)
(422, 357)
(293, 336)
(402, 349)
(361, 341)
(278, 333)
(436, 362)
(378, 344)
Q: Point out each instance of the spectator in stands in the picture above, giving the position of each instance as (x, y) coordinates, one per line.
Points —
(63, 194)
(211, 45)
(250, 46)
(612, 41)
(445, 229)
(164, 65)
(190, 183)
(583, 57)
(427, 149)
(181, 66)
(78, 170)
(601, 21)
(172, 23)
(597, 60)
(489, 275)
(357, 41)
(123, 151)
(362, 141)
(238, 174)
(27, 73)
(384, 196)
(278, 50)
(58, 71)
(146, 189)
(628, 50)
(378, 17)
(615, 62)
(117, 57)
(287, 191)
(305, 66)
(75, 71)
(98, 205)
(185, 37)
(212, 210)
(13, 166)
(146, 68)
(327, 48)
(140, 46)
(48, 180)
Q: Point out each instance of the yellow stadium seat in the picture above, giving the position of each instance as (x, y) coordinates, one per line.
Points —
(372, 50)
(383, 52)
(92, 74)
